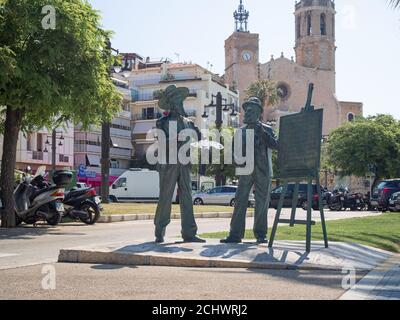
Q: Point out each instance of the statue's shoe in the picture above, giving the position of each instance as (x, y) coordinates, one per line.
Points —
(231, 240)
(194, 240)
(159, 240)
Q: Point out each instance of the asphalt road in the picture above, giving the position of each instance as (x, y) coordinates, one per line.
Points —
(91, 282)
(27, 253)
(29, 246)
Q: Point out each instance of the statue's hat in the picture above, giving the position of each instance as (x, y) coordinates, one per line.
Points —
(169, 93)
(253, 101)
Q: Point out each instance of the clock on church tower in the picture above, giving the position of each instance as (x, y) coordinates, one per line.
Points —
(247, 56)
(241, 54)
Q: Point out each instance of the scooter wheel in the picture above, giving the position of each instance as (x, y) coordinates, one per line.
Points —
(55, 219)
(92, 211)
(18, 220)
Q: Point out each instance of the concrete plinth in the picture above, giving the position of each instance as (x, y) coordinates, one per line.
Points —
(284, 255)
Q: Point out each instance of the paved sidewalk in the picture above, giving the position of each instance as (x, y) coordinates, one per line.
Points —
(382, 283)
(284, 255)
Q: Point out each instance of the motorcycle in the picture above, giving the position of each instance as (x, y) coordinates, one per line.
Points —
(83, 204)
(34, 200)
(341, 200)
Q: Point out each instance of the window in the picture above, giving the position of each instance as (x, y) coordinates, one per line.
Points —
(216, 190)
(39, 142)
(29, 142)
(228, 190)
(309, 25)
(120, 183)
(283, 91)
(323, 24)
(298, 27)
(63, 158)
(148, 114)
(350, 117)
(114, 164)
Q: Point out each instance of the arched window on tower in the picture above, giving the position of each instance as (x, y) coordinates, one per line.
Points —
(350, 117)
(309, 25)
(298, 27)
(323, 24)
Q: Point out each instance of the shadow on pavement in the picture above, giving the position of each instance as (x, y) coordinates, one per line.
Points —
(30, 232)
(111, 267)
(152, 247)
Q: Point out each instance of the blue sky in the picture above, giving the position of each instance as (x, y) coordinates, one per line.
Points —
(368, 39)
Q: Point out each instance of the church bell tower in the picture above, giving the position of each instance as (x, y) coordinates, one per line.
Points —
(315, 34)
(241, 54)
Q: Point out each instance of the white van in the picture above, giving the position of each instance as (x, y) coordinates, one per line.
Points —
(137, 185)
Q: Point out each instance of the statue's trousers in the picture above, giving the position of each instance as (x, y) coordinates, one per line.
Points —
(170, 175)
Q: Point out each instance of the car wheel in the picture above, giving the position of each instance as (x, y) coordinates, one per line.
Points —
(198, 202)
(233, 202)
(113, 199)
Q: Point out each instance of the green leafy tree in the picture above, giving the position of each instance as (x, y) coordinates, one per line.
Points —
(366, 145)
(52, 69)
(265, 90)
(227, 171)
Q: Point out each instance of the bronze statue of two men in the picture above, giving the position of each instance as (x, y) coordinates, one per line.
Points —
(171, 100)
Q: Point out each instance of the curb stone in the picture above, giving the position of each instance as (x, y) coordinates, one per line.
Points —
(174, 216)
(137, 259)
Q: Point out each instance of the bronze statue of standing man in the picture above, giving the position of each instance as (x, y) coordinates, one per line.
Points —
(264, 141)
(174, 172)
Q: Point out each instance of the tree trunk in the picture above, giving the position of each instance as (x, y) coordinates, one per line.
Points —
(11, 131)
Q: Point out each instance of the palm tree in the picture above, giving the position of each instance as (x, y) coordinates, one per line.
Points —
(395, 3)
(265, 90)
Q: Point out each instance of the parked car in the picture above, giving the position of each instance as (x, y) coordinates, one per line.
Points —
(302, 198)
(138, 185)
(220, 196)
(394, 202)
(81, 185)
(383, 192)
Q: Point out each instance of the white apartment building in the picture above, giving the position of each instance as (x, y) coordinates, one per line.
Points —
(202, 85)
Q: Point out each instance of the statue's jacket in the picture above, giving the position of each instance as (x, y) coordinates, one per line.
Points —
(182, 123)
(265, 140)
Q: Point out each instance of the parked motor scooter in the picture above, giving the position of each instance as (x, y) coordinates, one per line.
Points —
(83, 204)
(342, 200)
(34, 200)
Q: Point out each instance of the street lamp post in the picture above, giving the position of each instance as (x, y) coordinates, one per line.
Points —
(221, 106)
(105, 146)
(53, 145)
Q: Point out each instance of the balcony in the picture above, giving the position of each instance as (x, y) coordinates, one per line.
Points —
(124, 114)
(121, 152)
(141, 117)
(37, 155)
(87, 148)
(179, 77)
(121, 132)
(63, 158)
